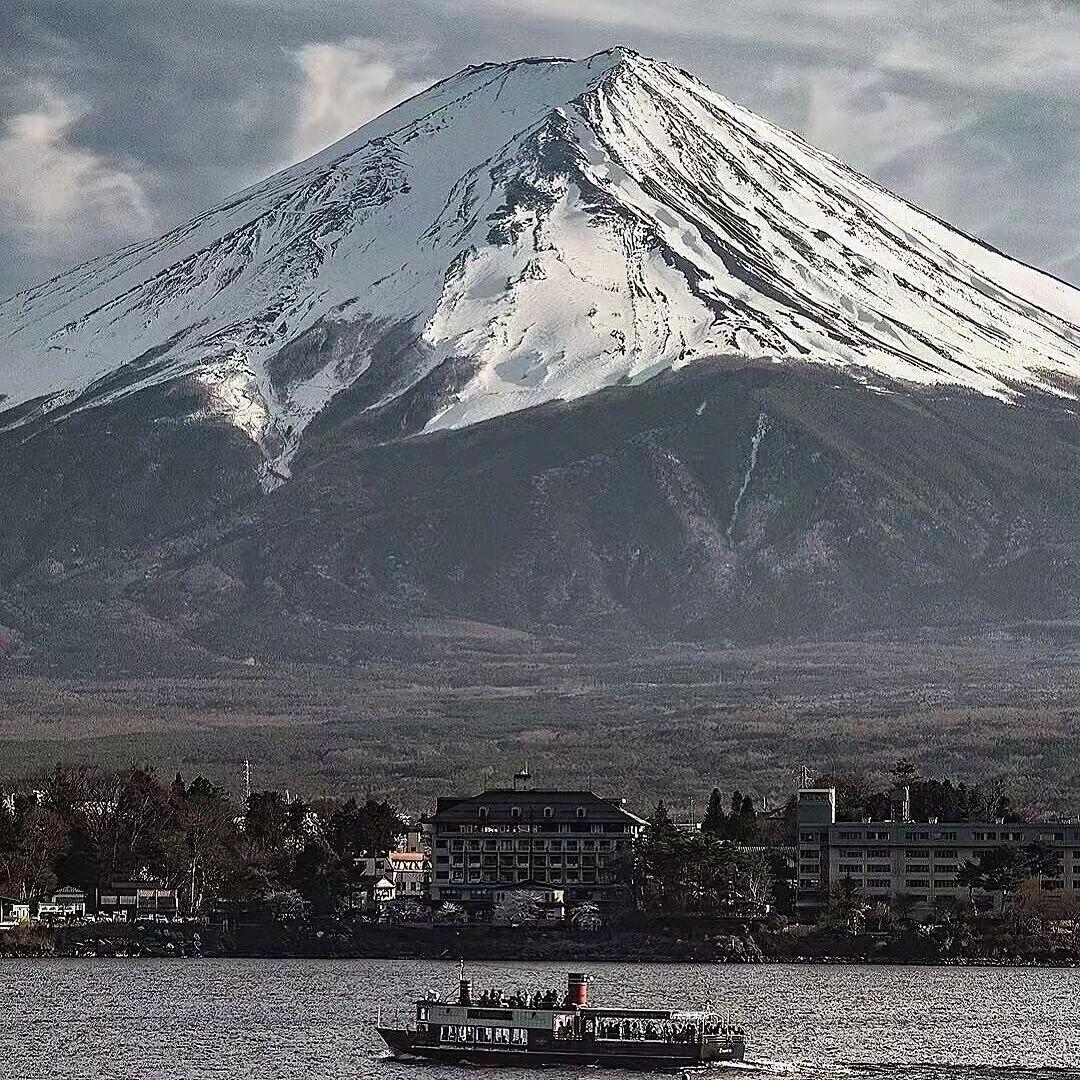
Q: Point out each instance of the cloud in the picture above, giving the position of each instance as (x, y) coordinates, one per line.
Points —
(56, 199)
(348, 84)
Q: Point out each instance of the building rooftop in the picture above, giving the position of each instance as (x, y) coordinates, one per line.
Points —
(507, 797)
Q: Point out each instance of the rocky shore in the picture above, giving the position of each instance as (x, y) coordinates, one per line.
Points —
(745, 944)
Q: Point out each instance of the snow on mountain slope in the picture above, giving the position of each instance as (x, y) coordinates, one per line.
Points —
(526, 232)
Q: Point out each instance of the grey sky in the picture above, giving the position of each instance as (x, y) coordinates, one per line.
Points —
(119, 118)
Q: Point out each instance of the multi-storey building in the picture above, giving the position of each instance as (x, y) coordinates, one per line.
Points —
(915, 859)
(573, 840)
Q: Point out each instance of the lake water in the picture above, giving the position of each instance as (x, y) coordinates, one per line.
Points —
(99, 1019)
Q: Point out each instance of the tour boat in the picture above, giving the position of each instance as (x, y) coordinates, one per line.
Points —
(552, 1028)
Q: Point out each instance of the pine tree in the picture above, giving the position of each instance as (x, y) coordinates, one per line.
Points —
(716, 820)
(661, 819)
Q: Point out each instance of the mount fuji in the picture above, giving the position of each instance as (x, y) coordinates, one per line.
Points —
(554, 342)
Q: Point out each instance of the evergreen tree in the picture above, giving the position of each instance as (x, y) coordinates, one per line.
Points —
(716, 819)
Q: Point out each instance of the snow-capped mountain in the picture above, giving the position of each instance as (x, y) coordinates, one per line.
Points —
(527, 232)
(729, 390)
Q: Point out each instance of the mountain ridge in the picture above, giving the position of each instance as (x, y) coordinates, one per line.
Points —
(630, 221)
(564, 348)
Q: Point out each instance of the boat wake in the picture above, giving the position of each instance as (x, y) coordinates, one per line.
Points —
(743, 1068)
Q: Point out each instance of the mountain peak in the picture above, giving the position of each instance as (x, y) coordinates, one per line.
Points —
(526, 232)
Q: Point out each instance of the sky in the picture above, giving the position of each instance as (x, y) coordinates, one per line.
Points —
(121, 118)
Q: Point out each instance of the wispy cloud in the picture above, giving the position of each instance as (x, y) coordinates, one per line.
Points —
(56, 199)
(348, 83)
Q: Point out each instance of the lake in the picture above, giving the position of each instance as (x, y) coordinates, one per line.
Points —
(101, 1019)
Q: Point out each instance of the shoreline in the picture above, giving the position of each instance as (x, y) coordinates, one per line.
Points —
(473, 943)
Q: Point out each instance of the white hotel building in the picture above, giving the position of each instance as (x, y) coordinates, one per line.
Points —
(917, 859)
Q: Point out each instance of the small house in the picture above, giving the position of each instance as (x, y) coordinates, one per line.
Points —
(67, 904)
(13, 912)
(131, 901)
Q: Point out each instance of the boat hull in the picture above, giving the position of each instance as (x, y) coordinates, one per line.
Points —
(638, 1056)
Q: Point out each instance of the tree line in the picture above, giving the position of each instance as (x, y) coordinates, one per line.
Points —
(82, 826)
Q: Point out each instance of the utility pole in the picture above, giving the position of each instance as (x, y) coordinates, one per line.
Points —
(247, 781)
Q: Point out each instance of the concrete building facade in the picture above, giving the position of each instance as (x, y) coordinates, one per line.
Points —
(918, 860)
(570, 840)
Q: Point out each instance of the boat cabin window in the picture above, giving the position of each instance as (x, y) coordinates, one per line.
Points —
(563, 1027)
(484, 1036)
(636, 1029)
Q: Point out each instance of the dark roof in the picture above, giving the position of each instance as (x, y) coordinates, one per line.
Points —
(508, 797)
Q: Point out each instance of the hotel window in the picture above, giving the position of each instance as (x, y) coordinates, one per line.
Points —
(579, 813)
(515, 812)
(482, 813)
(877, 883)
(917, 883)
(549, 813)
